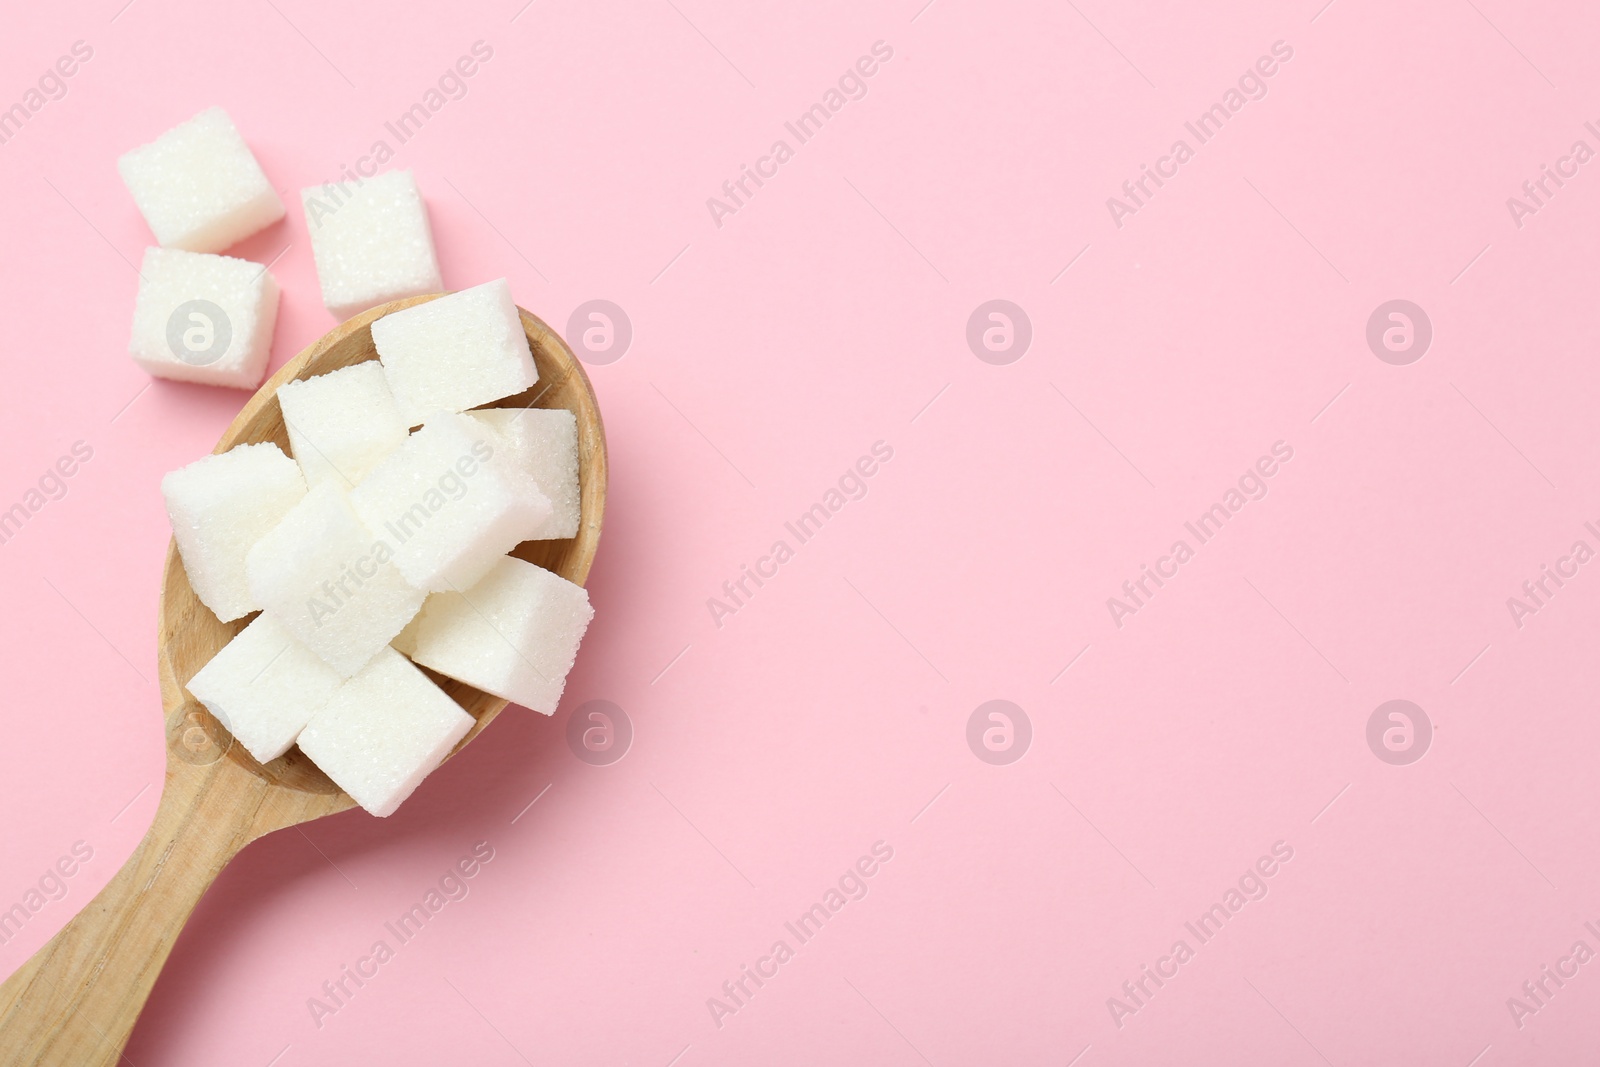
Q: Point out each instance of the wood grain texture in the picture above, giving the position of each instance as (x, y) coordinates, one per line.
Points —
(75, 1002)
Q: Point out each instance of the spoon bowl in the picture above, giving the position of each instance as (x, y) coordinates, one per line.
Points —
(75, 1002)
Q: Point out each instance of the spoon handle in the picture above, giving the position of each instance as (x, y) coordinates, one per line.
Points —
(75, 1002)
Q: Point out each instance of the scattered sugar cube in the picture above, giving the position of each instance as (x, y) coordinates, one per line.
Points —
(264, 686)
(330, 581)
(514, 634)
(544, 444)
(371, 242)
(383, 732)
(203, 318)
(456, 352)
(343, 423)
(219, 507)
(198, 185)
(450, 501)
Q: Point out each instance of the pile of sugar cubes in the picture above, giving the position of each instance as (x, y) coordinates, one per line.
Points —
(376, 543)
(384, 543)
(205, 317)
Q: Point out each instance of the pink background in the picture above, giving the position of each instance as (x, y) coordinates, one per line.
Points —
(768, 354)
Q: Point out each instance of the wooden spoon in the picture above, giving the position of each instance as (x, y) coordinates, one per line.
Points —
(75, 1002)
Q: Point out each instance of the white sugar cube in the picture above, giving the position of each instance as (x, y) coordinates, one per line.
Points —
(456, 352)
(222, 505)
(341, 424)
(203, 318)
(264, 686)
(514, 634)
(198, 185)
(383, 732)
(371, 242)
(450, 501)
(330, 581)
(544, 444)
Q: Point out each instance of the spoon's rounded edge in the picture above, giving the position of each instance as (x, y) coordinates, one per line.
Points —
(190, 634)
